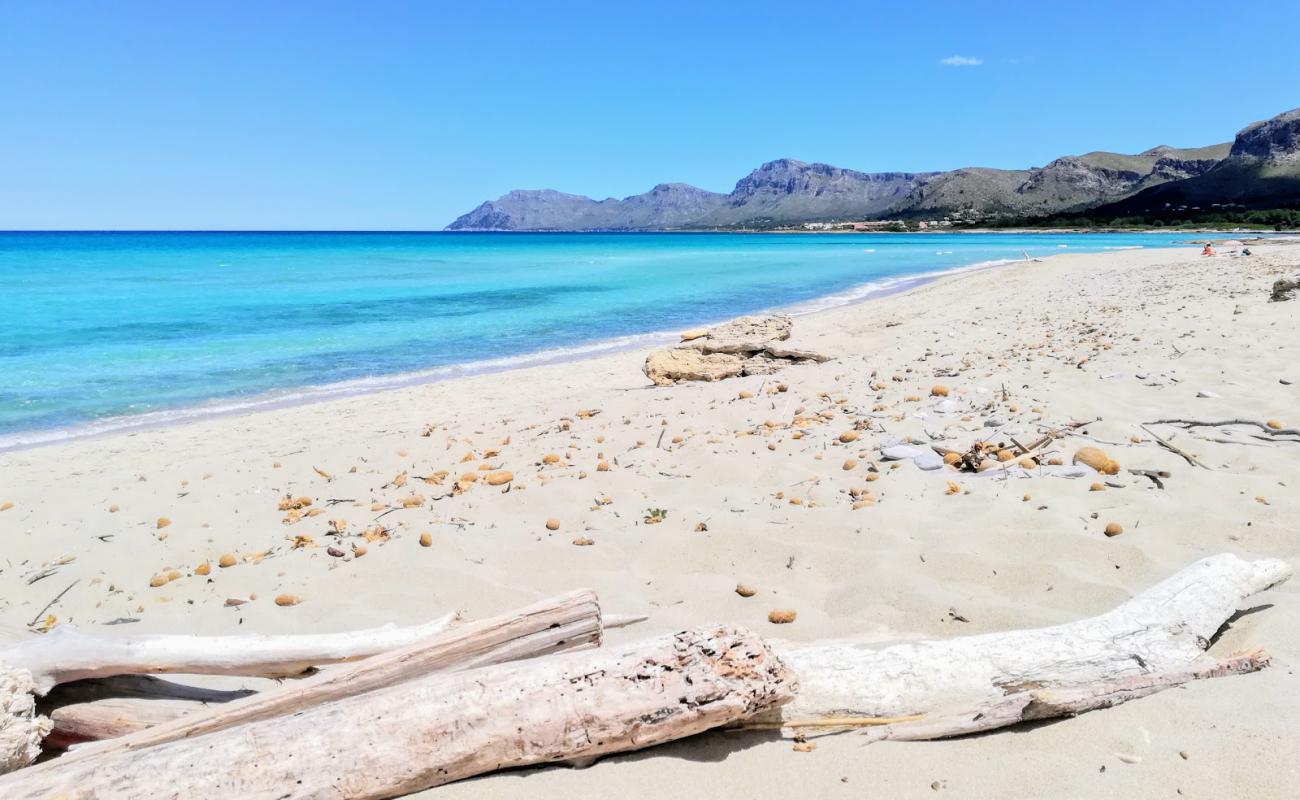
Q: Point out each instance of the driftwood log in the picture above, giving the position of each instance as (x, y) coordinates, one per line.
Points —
(65, 654)
(104, 708)
(33, 665)
(107, 708)
(1040, 704)
(429, 729)
(568, 622)
(443, 727)
(1165, 629)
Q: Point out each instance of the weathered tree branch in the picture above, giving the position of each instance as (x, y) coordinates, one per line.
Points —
(1164, 629)
(443, 727)
(1040, 704)
(65, 654)
(567, 622)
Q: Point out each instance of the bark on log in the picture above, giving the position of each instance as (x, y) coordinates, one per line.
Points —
(440, 728)
(1164, 629)
(567, 622)
(65, 654)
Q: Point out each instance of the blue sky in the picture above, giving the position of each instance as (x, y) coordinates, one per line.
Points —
(402, 115)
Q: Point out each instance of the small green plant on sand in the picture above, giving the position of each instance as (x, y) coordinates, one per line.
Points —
(653, 516)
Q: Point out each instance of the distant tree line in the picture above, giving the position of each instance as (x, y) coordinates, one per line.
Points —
(1278, 219)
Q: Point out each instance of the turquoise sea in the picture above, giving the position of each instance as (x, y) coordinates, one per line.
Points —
(102, 331)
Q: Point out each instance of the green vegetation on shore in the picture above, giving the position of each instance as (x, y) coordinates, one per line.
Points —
(1275, 219)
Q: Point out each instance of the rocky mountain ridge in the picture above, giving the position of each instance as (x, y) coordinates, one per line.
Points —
(1260, 171)
(1261, 166)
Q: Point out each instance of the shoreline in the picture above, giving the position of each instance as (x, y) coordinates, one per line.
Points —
(219, 408)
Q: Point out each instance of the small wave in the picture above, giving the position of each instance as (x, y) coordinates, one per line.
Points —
(316, 394)
(1125, 247)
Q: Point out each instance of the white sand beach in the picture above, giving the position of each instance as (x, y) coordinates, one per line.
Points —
(1125, 338)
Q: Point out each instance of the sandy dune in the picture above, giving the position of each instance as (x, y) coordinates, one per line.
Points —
(1128, 337)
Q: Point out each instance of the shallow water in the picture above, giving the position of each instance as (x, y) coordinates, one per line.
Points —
(103, 330)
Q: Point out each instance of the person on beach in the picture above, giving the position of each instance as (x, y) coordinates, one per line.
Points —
(1208, 251)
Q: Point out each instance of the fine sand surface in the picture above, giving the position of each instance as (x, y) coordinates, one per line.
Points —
(1130, 337)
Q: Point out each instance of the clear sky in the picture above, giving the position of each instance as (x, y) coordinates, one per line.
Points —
(403, 115)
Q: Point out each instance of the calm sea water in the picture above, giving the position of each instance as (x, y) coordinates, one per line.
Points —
(106, 330)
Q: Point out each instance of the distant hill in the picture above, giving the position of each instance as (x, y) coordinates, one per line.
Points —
(667, 206)
(1070, 183)
(1260, 169)
(781, 192)
(786, 192)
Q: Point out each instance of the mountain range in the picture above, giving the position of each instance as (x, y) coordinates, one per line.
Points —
(1259, 169)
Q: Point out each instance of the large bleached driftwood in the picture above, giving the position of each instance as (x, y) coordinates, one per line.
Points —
(65, 654)
(568, 622)
(1165, 629)
(107, 708)
(1039, 704)
(439, 728)
(432, 729)
(35, 665)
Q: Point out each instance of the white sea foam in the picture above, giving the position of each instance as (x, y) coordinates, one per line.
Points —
(314, 394)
